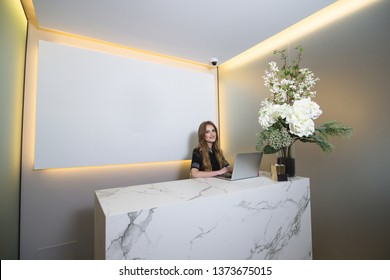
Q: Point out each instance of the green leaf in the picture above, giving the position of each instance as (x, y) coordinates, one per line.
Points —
(269, 150)
(332, 128)
(307, 140)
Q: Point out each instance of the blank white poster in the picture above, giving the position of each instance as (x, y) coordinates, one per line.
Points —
(95, 108)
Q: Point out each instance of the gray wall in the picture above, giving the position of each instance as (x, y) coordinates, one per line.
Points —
(350, 187)
(13, 29)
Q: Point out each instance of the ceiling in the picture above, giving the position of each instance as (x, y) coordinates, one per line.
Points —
(194, 30)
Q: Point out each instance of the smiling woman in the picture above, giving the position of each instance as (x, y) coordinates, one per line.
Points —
(208, 159)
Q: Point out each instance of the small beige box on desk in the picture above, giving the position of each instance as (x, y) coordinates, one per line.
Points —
(278, 172)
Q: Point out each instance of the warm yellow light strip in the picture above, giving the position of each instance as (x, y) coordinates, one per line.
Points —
(322, 18)
(29, 10)
(107, 168)
(13, 82)
(31, 16)
(124, 47)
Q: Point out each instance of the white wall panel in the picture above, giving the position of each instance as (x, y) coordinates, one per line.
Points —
(96, 108)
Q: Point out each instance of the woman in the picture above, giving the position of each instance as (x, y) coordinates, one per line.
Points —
(207, 158)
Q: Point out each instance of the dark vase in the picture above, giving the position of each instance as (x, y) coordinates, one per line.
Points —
(289, 163)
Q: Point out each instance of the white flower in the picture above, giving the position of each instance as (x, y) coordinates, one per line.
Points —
(311, 108)
(273, 66)
(302, 127)
(266, 116)
(270, 112)
(281, 110)
(301, 117)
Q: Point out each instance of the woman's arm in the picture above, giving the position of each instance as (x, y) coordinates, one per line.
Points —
(195, 173)
(230, 168)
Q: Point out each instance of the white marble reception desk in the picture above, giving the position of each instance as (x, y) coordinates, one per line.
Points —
(205, 219)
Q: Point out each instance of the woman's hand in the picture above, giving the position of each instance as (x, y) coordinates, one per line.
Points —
(223, 171)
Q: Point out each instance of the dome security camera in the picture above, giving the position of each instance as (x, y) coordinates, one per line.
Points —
(214, 61)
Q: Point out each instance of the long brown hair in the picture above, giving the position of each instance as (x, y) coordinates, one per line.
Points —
(204, 149)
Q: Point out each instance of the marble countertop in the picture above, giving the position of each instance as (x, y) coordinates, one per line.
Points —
(116, 201)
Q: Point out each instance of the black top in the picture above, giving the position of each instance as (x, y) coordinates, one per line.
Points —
(198, 163)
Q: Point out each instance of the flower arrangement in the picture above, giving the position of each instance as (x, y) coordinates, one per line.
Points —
(288, 114)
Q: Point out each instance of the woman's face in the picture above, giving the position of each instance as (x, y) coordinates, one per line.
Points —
(210, 135)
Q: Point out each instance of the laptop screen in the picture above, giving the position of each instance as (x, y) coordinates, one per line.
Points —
(246, 165)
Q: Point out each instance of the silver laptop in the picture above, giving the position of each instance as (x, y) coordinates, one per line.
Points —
(246, 165)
